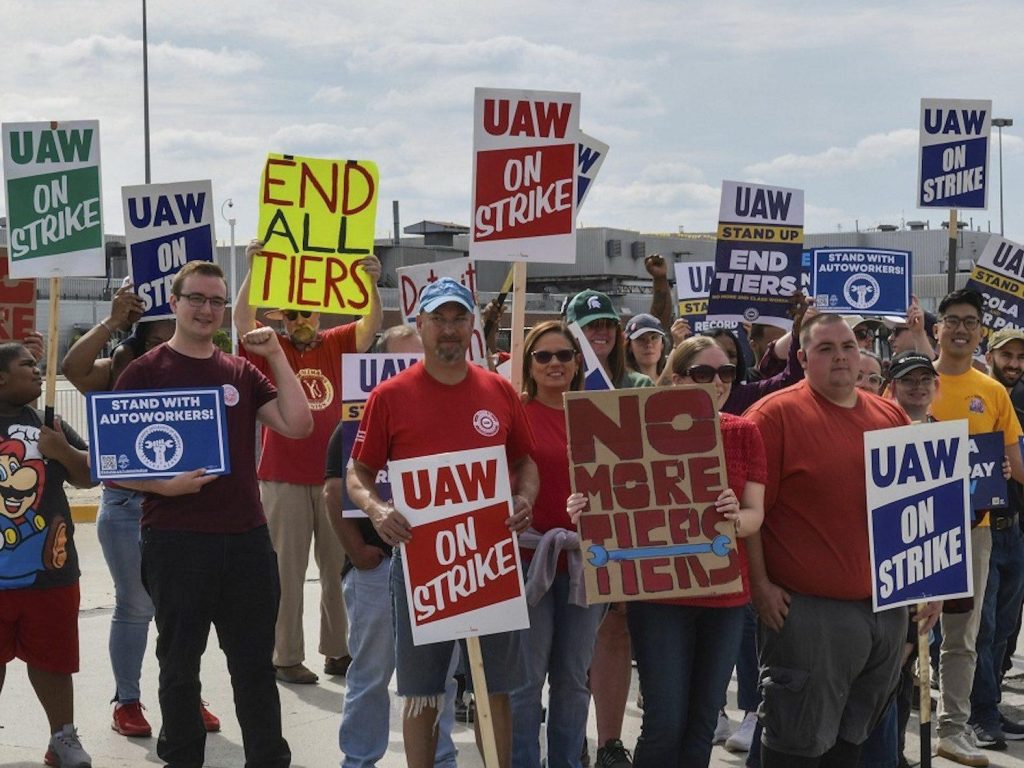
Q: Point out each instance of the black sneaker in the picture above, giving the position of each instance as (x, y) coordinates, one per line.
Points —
(1012, 730)
(613, 755)
(988, 738)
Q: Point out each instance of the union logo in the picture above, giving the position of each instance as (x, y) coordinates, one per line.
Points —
(318, 388)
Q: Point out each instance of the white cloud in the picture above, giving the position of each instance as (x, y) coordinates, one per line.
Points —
(871, 151)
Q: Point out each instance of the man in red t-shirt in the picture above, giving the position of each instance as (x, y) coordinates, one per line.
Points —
(291, 472)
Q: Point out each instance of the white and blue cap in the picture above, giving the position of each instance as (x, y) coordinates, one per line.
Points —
(444, 291)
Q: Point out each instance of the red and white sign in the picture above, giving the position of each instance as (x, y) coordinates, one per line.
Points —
(463, 576)
(17, 303)
(524, 175)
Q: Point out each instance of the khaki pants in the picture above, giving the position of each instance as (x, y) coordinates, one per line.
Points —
(297, 515)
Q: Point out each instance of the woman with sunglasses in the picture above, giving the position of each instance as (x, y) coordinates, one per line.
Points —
(685, 648)
(560, 641)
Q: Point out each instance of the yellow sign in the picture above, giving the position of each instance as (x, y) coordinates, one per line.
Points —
(317, 220)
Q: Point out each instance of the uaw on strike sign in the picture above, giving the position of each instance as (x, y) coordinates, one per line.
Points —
(462, 570)
(953, 159)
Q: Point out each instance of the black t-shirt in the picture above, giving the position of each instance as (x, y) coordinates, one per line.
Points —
(335, 469)
(37, 544)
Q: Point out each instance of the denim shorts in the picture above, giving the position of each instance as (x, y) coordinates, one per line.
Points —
(423, 669)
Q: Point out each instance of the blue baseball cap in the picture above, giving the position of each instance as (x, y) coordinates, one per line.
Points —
(444, 291)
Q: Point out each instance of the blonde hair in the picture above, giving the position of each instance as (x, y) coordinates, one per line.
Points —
(682, 356)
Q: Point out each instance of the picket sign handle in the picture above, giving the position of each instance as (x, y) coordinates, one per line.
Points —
(924, 669)
(518, 322)
(951, 267)
(50, 395)
(483, 702)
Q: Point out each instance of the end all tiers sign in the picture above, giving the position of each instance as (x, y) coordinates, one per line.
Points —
(953, 159)
(524, 175)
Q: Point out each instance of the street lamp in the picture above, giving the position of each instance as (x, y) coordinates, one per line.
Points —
(234, 287)
(145, 87)
(1000, 122)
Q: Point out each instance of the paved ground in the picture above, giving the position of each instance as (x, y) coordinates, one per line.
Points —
(311, 713)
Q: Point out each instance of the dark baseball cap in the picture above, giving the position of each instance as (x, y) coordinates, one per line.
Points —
(908, 361)
(643, 323)
(587, 306)
(444, 291)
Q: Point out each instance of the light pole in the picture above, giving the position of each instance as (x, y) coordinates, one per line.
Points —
(145, 87)
(234, 282)
(1000, 123)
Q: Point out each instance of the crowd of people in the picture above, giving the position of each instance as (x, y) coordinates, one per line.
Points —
(822, 680)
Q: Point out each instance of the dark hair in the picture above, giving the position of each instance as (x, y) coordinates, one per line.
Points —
(741, 363)
(535, 334)
(631, 358)
(9, 352)
(962, 296)
(206, 268)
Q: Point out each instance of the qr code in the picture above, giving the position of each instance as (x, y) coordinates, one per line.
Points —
(821, 301)
(108, 462)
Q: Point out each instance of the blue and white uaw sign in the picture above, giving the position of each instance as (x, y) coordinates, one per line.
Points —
(590, 155)
(862, 281)
(693, 284)
(595, 378)
(157, 433)
(360, 375)
(757, 257)
(953, 159)
(918, 513)
(988, 486)
(999, 277)
(165, 226)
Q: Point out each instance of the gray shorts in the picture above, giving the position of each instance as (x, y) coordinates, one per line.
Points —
(423, 669)
(829, 673)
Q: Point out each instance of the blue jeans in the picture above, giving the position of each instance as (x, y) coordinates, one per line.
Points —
(117, 528)
(748, 696)
(364, 731)
(558, 647)
(684, 657)
(881, 750)
(998, 619)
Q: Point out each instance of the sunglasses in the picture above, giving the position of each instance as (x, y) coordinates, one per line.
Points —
(863, 334)
(291, 314)
(705, 374)
(544, 357)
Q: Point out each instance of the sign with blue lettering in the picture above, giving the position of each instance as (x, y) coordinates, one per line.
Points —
(157, 433)
(165, 226)
(757, 257)
(590, 154)
(693, 285)
(988, 486)
(998, 276)
(595, 378)
(360, 374)
(953, 161)
(861, 281)
(805, 273)
(918, 526)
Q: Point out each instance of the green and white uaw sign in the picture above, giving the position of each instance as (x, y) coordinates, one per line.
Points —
(52, 181)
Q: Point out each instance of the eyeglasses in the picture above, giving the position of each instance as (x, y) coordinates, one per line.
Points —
(197, 300)
(291, 314)
(874, 379)
(863, 334)
(952, 322)
(544, 356)
(705, 374)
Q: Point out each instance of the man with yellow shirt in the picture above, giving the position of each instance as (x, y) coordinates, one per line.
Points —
(965, 393)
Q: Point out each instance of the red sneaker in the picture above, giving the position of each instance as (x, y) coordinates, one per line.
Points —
(210, 720)
(129, 720)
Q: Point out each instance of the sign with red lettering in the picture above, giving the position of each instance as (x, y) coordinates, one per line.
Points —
(650, 463)
(317, 219)
(524, 175)
(17, 304)
(463, 576)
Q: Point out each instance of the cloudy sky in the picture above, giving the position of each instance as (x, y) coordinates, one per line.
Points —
(818, 95)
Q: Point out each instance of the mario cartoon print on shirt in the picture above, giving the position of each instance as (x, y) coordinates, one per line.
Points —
(28, 542)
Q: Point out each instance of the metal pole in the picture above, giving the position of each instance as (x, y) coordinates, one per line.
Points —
(1002, 232)
(145, 88)
(234, 286)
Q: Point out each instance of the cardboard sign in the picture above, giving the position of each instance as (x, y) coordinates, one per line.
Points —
(165, 226)
(360, 375)
(590, 154)
(988, 486)
(412, 280)
(157, 433)
(999, 277)
(953, 159)
(462, 571)
(317, 219)
(861, 281)
(918, 507)
(17, 304)
(524, 176)
(693, 285)
(757, 257)
(650, 463)
(595, 378)
(54, 211)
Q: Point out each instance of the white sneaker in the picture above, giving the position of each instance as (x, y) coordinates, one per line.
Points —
(744, 735)
(961, 749)
(66, 751)
(723, 729)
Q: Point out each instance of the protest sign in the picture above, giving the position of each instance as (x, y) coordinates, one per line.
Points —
(411, 282)
(524, 175)
(650, 463)
(693, 284)
(462, 571)
(918, 507)
(54, 212)
(862, 281)
(805, 273)
(999, 277)
(757, 257)
(157, 433)
(590, 154)
(165, 226)
(988, 486)
(360, 375)
(953, 159)
(317, 219)
(17, 304)
(594, 375)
